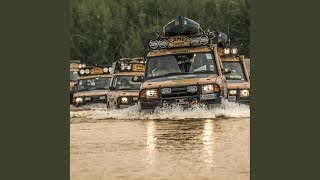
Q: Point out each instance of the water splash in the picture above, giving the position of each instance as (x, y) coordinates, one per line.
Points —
(99, 111)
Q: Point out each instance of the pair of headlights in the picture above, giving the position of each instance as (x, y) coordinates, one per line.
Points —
(153, 93)
(243, 93)
(233, 51)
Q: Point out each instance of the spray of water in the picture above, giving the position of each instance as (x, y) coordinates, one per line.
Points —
(99, 111)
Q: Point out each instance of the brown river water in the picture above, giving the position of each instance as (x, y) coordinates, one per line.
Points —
(168, 144)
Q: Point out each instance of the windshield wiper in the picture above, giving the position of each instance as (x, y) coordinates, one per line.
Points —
(172, 74)
(202, 71)
(99, 88)
(81, 90)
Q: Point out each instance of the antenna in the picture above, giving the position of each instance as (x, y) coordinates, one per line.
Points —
(157, 16)
(229, 35)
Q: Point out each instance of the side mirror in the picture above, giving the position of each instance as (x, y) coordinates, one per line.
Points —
(137, 78)
(226, 71)
(112, 88)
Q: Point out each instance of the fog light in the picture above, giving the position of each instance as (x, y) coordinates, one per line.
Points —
(166, 90)
(244, 93)
(192, 89)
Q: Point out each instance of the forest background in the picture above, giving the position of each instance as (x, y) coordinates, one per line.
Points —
(102, 31)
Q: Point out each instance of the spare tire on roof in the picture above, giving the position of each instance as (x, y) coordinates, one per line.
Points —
(181, 26)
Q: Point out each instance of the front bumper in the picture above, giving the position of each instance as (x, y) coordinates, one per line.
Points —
(132, 100)
(186, 101)
(90, 100)
(237, 99)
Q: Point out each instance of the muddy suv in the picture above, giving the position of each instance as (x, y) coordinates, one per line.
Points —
(92, 85)
(74, 68)
(126, 82)
(238, 81)
(183, 67)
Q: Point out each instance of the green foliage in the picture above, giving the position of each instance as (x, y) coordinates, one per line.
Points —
(105, 30)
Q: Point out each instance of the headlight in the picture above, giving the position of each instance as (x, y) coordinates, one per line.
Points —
(81, 71)
(152, 93)
(153, 44)
(226, 51)
(166, 90)
(124, 100)
(105, 70)
(204, 40)
(233, 92)
(163, 43)
(87, 71)
(234, 51)
(192, 89)
(244, 93)
(194, 40)
(79, 100)
(206, 89)
(83, 65)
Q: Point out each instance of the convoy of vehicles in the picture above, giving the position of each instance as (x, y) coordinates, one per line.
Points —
(92, 85)
(183, 67)
(124, 87)
(186, 66)
(238, 81)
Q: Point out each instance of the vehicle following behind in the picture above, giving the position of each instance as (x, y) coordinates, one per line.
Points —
(183, 67)
(92, 85)
(125, 84)
(74, 68)
(238, 81)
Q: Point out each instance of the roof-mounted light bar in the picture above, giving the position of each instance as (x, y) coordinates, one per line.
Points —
(178, 41)
(95, 70)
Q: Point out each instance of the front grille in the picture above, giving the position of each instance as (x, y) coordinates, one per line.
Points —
(179, 92)
(97, 98)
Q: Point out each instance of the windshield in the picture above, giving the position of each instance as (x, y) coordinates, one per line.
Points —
(126, 83)
(73, 75)
(236, 74)
(93, 84)
(181, 64)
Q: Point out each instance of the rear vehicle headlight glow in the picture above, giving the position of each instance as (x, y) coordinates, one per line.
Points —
(124, 100)
(166, 90)
(192, 89)
(233, 92)
(83, 65)
(244, 93)
(226, 51)
(206, 89)
(79, 100)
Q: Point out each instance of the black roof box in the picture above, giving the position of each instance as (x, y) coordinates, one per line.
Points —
(181, 26)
